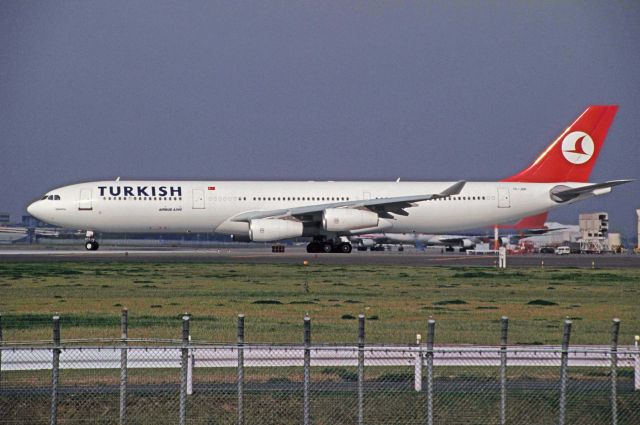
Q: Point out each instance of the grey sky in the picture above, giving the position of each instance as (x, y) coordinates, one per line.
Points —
(311, 90)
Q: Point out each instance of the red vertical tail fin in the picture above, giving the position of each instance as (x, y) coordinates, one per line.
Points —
(572, 155)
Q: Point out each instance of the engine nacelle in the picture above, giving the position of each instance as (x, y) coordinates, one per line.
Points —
(342, 219)
(468, 243)
(270, 229)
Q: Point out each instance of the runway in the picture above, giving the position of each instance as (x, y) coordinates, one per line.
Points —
(297, 255)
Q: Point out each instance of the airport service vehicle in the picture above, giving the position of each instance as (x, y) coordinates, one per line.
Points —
(329, 212)
(563, 250)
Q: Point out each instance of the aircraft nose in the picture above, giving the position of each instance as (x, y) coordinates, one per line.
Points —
(32, 209)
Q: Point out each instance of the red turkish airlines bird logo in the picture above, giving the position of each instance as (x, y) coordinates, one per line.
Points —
(578, 147)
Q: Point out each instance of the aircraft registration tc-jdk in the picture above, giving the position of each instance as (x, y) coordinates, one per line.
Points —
(329, 212)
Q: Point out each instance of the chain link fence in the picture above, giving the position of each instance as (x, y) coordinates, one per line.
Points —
(183, 381)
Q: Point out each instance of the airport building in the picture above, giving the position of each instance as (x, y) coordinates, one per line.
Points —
(5, 218)
(594, 230)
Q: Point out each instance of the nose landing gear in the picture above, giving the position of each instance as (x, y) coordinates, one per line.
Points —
(90, 243)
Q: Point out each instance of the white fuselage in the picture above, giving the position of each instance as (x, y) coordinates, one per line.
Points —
(201, 206)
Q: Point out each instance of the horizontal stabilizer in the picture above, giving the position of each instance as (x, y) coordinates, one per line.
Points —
(563, 193)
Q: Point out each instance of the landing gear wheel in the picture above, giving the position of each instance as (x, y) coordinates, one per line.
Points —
(344, 248)
(91, 245)
(313, 247)
(327, 247)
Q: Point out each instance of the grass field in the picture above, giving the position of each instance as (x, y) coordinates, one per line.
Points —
(466, 302)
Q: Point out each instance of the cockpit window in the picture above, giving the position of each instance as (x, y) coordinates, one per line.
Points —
(56, 197)
(44, 197)
(50, 197)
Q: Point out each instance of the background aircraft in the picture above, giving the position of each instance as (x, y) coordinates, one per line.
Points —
(528, 226)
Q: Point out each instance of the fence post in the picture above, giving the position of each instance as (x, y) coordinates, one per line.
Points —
(240, 369)
(636, 366)
(615, 330)
(1, 343)
(564, 363)
(190, 360)
(503, 369)
(55, 370)
(307, 369)
(417, 379)
(124, 334)
(431, 330)
(183, 369)
(361, 369)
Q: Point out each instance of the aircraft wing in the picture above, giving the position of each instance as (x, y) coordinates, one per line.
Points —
(453, 239)
(10, 229)
(383, 206)
(563, 194)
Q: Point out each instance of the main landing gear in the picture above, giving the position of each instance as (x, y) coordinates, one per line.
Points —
(90, 243)
(327, 246)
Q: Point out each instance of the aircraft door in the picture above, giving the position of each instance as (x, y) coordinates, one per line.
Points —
(85, 200)
(504, 200)
(198, 199)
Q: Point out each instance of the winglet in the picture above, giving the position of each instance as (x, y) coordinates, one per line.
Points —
(454, 189)
(563, 193)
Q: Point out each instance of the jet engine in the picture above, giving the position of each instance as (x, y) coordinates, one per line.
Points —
(342, 219)
(468, 243)
(270, 229)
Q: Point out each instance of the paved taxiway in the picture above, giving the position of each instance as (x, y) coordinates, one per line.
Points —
(296, 255)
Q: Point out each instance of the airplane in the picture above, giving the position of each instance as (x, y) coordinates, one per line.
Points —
(532, 225)
(328, 212)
